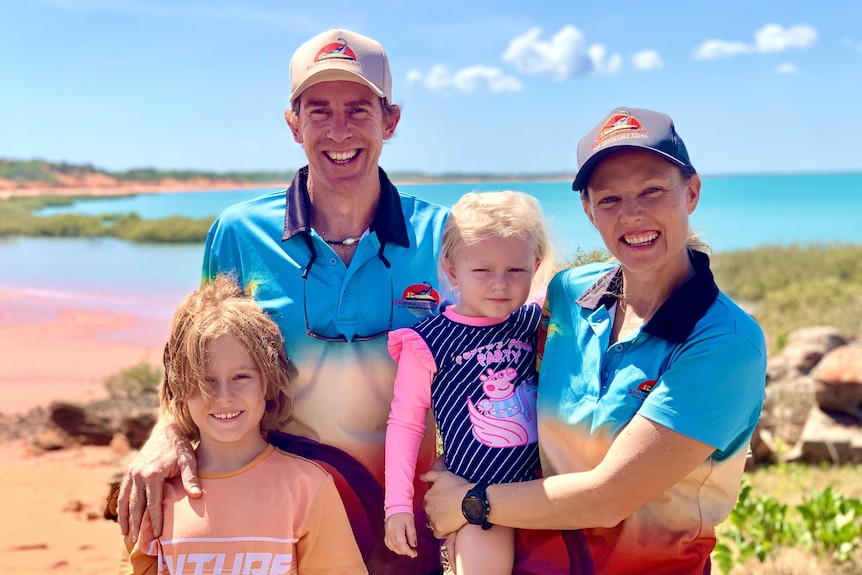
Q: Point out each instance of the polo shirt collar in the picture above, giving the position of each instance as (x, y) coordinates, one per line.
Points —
(676, 318)
(388, 222)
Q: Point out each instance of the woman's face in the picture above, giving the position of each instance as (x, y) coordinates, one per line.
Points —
(640, 203)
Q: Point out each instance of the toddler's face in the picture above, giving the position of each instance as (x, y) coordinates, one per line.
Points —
(493, 276)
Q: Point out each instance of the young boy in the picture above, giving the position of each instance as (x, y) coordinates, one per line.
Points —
(262, 510)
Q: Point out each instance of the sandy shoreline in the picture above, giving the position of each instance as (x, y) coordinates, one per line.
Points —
(52, 508)
(52, 503)
(53, 350)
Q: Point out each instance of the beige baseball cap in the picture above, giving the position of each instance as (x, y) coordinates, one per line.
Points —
(340, 55)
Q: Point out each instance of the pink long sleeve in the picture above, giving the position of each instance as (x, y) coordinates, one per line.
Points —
(406, 426)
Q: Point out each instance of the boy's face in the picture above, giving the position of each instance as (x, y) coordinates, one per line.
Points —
(232, 414)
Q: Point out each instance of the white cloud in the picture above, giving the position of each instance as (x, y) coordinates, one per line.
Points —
(647, 60)
(474, 78)
(713, 49)
(470, 79)
(438, 78)
(770, 39)
(563, 56)
(774, 38)
(604, 63)
(787, 68)
(414, 76)
(859, 47)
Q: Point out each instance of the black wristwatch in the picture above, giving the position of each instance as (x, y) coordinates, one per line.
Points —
(475, 506)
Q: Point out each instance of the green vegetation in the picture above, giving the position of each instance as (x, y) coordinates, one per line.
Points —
(140, 379)
(787, 288)
(583, 257)
(21, 171)
(826, 524)
(40, 171)
(174, 229)
(17, 218)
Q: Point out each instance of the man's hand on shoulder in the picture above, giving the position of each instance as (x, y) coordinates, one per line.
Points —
(166, 454)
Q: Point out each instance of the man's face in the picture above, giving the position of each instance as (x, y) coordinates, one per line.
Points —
(342, 126)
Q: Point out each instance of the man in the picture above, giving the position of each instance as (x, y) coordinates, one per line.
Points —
(338, 260)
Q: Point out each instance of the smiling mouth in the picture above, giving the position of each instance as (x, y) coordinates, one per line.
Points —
(642, 239)
(344, 157)
(227, 416)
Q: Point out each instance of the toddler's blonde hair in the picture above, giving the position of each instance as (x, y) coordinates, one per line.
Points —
(477, 216)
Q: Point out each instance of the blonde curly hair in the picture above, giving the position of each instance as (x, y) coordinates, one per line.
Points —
(221, 307)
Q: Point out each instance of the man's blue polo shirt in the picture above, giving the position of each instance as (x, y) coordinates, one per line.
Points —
(342, 391)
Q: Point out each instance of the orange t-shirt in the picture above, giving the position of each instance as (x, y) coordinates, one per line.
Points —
(280, 514)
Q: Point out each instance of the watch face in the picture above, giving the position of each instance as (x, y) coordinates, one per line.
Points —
(473, 509)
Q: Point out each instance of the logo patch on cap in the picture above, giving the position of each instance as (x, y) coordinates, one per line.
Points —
(620, 125)
(339, 50)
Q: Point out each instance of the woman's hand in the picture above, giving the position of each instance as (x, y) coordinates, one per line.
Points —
(166, 454)
(443, 501)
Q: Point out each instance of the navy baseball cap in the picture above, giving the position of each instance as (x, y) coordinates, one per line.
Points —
(629, 128)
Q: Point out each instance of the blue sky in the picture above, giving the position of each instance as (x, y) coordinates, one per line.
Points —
(485, 86)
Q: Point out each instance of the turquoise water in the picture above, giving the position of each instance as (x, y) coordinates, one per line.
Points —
(735, 212)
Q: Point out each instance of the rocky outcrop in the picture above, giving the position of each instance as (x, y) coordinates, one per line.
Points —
(839, 381)
(813, 407)
(119, 420)
(804, 349)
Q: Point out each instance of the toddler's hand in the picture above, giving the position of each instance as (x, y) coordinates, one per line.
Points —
(400, 531)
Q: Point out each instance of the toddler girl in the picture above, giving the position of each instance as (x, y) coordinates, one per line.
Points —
(474, 365)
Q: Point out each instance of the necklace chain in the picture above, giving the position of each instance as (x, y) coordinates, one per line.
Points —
(344, 242)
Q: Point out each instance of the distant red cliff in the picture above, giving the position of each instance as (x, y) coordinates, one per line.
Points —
(37, 177)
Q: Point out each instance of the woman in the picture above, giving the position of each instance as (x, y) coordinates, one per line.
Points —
(651, 379)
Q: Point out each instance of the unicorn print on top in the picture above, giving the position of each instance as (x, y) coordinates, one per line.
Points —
(506, 416)
(483, 394)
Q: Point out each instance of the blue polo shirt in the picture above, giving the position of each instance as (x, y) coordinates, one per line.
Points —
(342, 391)
(698, 366)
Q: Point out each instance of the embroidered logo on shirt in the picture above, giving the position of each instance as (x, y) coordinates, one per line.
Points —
(421, 300)
(642, 389)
